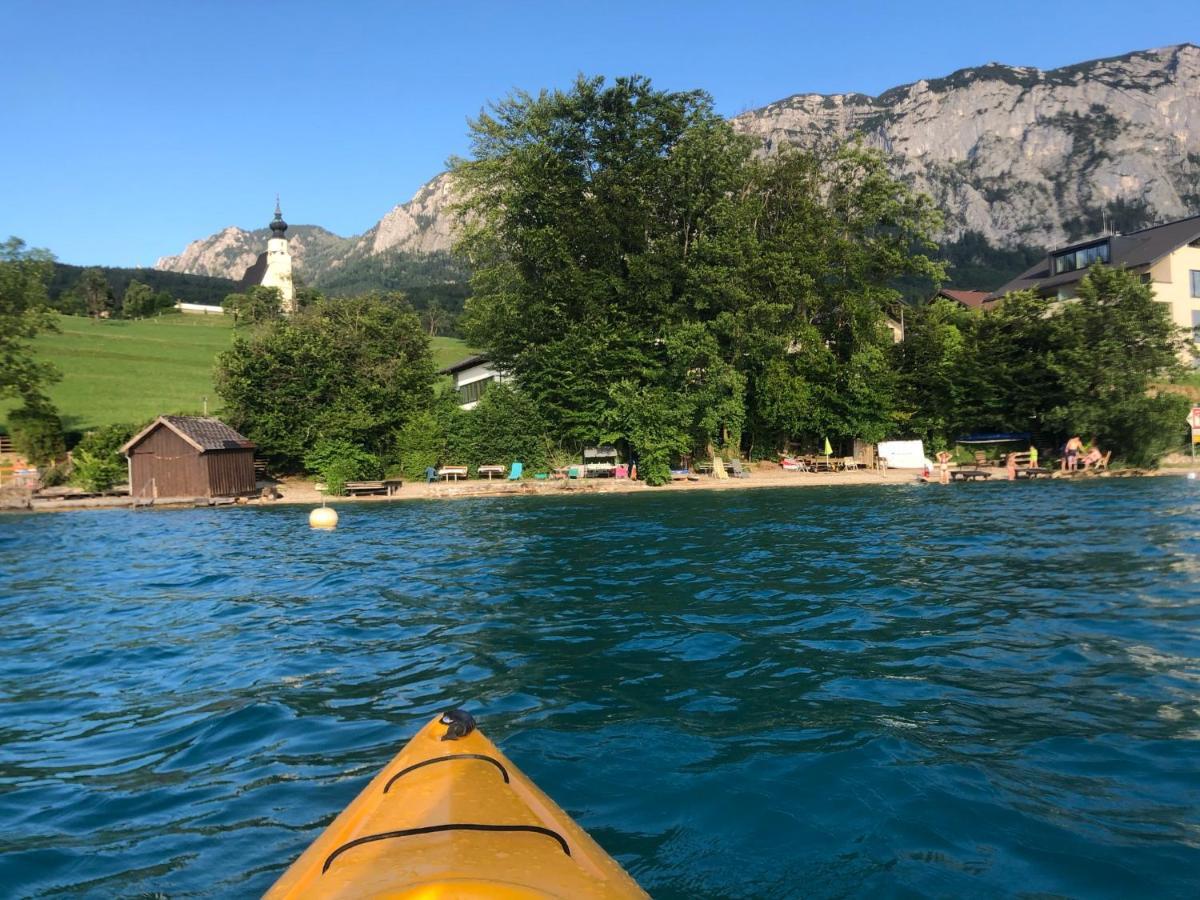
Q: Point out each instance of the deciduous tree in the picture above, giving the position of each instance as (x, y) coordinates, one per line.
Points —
(351, 370)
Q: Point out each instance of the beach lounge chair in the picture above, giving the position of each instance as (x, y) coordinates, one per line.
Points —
(514, 473)
(738, 470)
(1103, 462)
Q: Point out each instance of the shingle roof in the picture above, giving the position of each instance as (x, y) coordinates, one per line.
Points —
(1134, 250)
(209, 433)
(202, 432)
(477, 359)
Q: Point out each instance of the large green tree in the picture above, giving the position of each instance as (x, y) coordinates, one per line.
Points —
(1086, 366)
(351, 370)
(93, 288)
(625, 235)
(1111, 346)
(24, 312)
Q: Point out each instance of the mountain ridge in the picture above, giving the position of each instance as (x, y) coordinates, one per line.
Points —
(1017, 155)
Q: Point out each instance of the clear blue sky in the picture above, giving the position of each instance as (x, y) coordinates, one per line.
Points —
(131, 128)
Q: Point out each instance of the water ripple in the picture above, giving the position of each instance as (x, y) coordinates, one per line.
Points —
(988, 690)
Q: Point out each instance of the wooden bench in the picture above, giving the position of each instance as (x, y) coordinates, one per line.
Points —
(969, 475)
(1025, 470)
(452, 472)
(389, 487)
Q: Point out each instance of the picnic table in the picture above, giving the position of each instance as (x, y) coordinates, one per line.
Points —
(703, 468)
(489, 471)
(452, 472)
(821, 463)
(387, 486)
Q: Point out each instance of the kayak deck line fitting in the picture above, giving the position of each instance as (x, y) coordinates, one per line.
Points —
(439, 759)
(453, 831)
(430, 829)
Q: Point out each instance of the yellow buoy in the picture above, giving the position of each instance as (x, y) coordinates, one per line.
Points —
(323, 517)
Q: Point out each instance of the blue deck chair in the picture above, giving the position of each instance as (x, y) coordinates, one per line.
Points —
(514, 474)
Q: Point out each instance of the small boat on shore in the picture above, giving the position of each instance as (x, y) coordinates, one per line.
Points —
(451, 816)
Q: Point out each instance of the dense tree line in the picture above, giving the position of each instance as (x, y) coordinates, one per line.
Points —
(645, 277)
(643, 274)
(63, 283)
(1092, 366)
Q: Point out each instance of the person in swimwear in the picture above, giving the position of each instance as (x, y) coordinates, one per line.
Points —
(1071, 454)
(943, 459)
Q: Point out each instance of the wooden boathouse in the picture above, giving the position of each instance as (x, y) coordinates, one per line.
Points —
(189, 456)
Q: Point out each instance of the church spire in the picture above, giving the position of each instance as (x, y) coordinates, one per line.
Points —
(278, 226)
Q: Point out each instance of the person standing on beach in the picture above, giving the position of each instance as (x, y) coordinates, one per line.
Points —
(1033, 457)
(943, 459)
(1071, 453)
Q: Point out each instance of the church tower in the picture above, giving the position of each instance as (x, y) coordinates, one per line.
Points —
(279, 263)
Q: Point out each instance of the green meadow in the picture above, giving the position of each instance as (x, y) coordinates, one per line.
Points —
(116, 370)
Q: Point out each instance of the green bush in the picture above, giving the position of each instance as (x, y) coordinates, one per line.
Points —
(421, 443)
(505, 427)
(337, 462)
(37, 433)
(656, 425)
(55, 474)
(97, 458)
(95, 473)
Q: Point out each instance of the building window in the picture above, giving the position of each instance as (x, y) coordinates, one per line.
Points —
(1195, 283)
(1081, 258)
(470, 393)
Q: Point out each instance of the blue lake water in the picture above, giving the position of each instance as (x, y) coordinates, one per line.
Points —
(982, 690)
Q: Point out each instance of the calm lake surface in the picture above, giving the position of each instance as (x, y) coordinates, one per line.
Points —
(980, 690)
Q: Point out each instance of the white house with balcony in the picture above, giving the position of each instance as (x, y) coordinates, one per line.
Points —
(1166, 256)
(471, 377)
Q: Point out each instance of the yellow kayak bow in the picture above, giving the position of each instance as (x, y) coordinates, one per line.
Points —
(451, 816)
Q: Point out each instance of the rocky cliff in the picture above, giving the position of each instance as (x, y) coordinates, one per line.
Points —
(1025, 156)
(1017, 155)
(228, 253)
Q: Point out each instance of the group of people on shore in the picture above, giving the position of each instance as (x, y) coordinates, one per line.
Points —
(1075, 456)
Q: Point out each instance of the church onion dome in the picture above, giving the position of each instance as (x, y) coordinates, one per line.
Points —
(278, 226)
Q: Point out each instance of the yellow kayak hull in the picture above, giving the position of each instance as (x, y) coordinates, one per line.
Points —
(451, 817)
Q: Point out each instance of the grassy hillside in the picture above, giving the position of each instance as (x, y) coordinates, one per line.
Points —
(131, 371)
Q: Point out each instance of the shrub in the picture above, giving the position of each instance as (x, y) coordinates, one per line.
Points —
(55, 474)
(337, 462)
(37, 432)
(94, 472)
(504, 427)
(656, 425)
(98, 463)
(421, 443)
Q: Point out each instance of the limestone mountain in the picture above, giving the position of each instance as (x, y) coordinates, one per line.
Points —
(228, 253)
(1024, 156)
(1015, 157)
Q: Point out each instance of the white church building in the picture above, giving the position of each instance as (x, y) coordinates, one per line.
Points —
(273, 269)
